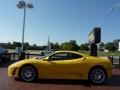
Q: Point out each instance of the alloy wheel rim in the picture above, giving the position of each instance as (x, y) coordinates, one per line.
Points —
(28, 73)
(98, 75)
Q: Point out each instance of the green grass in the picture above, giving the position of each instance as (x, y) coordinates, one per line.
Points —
(84, 52)
(102, 54)
(108, 53)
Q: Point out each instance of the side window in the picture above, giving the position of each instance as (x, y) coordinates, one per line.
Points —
(59, 56)
(75, 56)
(64, 56)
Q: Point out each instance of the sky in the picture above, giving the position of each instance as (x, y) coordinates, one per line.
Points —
(61, 20)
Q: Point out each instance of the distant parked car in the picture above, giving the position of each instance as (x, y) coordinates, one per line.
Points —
(4, 56)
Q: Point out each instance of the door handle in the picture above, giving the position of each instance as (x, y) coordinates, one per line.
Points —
(84, 59)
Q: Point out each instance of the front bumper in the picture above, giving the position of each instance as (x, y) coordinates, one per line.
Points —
(13, 71)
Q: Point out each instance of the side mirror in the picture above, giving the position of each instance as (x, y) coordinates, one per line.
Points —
(46, 59)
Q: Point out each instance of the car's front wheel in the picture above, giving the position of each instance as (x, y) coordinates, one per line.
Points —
(28, 73)
(97, 75)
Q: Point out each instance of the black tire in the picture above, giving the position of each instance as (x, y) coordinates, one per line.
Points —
(28, 73)
(97, 75)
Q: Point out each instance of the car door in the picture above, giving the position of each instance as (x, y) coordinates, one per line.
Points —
(62, 65)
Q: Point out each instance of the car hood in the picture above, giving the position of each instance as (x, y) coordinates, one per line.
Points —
(26, 61)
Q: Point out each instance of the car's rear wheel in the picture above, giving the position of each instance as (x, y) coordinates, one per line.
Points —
(97, 75)
(28, 73)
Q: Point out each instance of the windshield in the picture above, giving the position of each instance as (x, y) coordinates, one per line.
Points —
(41, 57)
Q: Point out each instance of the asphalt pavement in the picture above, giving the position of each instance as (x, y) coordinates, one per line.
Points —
(8, 83)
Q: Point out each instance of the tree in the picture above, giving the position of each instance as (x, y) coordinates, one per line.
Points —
(9, 43)
(66, 46)
(116, 42)
(34, 45)
(74, 45)
(43, 47)
(52, 45)
(26, 45)
(71, 45)
(17, 44)
(101, 46)
(84, 47)
(56, 46)
(110, 46)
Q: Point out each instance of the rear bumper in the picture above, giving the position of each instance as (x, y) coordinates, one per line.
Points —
(109, 73)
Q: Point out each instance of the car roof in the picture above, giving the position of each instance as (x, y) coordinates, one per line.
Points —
(75, 52)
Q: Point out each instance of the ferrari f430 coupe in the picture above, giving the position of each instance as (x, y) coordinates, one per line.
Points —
(62, 65)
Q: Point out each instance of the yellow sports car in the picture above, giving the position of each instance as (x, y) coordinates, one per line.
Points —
(62, 65)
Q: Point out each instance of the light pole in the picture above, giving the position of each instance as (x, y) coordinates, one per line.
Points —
(24, 5)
